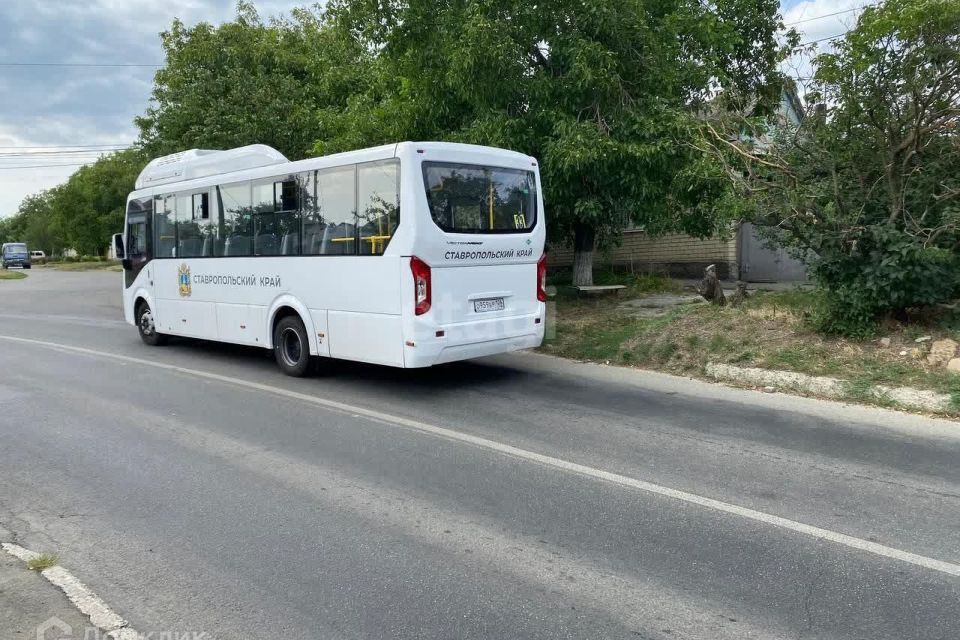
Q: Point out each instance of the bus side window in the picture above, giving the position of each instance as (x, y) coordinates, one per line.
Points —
(138, 243)
(237, 219)
(165, 226)
(308, 212)
(378, 189)
(276, 217)
(265, 239)
(189, 232)
(332, 231)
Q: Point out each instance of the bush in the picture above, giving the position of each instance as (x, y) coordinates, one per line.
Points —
(875, 272)
(89, 258)
(70, 258)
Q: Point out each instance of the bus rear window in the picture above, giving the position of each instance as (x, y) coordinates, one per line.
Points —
(469, 198)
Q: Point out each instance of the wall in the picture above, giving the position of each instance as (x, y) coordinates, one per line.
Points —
(676, 254)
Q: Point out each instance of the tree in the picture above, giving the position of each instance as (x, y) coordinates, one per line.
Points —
(247, 81)
(89, 206)
(34, 223)
(240, 83)
(869, 185)
(604, 93)
(81, 213)
(12, 228)
(42, 229)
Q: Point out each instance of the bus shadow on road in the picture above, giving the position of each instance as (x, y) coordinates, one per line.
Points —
(450, 376)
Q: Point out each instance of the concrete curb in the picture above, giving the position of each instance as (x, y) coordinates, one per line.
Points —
(908, 397)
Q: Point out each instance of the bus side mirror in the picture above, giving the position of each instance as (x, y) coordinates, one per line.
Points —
(118, 250)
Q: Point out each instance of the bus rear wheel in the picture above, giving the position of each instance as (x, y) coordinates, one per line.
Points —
(147, 326)
(291, 346)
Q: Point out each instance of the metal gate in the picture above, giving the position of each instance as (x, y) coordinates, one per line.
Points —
(759, 262)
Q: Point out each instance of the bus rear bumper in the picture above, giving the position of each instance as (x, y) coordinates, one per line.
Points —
(476, 339)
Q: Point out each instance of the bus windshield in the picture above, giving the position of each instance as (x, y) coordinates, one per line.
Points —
(15, 248)
(466, 198)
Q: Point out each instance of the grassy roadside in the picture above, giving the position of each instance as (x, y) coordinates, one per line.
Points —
(769, 331)
(101, 265)
(7, 274)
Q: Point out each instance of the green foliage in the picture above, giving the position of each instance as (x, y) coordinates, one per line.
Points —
(81, 213)
(246, 82)
(885, 269)
(239, 83)
(90, 205)
(607, 94)
(603, 93)
(867, 187)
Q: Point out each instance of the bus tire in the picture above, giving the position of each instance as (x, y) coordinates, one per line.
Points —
(147, 327)
(291, 347)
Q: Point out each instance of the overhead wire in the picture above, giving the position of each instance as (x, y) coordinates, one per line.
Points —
(829, 15)
(43, 166)
(80, 64)
(66, 146)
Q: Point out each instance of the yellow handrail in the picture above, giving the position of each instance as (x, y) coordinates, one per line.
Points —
(490, 199)
(376, 242)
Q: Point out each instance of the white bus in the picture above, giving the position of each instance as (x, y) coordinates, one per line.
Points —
(409, 255)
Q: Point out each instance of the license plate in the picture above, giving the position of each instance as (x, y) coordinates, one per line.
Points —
(490, 304)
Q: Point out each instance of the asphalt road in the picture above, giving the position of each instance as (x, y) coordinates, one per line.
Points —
(196, 488)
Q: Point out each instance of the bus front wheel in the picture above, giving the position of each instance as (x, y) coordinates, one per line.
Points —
(291, 346)
(147, 326)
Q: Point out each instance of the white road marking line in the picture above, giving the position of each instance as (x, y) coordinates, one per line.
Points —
(19, 552)
(531, 456)
(85, 600)
(89, 604)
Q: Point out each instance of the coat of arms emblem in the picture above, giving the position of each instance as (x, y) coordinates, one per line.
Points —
(183, 277)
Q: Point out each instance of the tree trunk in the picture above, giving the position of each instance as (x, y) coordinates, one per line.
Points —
(583, 237)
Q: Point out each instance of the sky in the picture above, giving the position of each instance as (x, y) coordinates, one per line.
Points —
(66, 115)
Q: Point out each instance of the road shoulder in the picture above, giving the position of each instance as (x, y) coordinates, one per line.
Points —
(855, 416)
(28, 602)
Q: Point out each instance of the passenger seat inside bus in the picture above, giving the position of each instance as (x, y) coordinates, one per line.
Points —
(315, 241)
(237, 246)
(190, 247)
(209, 247)
(290, 246)
(266, 244)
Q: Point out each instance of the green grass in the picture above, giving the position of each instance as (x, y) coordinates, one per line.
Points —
(42, 561)
(803, 357)
(7, 274)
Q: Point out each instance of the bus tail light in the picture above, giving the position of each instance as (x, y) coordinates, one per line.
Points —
(421, 285)
(542, 278)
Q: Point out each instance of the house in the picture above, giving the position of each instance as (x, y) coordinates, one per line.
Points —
(740, 254)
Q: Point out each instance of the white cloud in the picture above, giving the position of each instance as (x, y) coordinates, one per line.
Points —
(83, 105)
(16, 184)
(818, 20)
